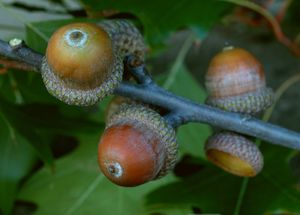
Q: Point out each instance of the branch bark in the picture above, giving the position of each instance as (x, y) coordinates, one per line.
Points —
(182, 109)
(18, 55)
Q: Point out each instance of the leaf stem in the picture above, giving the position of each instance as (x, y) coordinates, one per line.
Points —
(179, 61)
(279, 92)
(241, 196)
(85, 195)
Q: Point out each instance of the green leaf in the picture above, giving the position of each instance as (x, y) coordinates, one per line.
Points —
(16, 160)
(157, 209)
(78, 187)
(274, 190)
(277, 186)
(46, 28)
(1, 80)
(159, 18)
(56, 122)
(32, 88)
(53, 122)
(8, 91)
(19, 122)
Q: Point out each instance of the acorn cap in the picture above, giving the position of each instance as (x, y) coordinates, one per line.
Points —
(114, 106)
(251, 103)
(234, 153)
(149, 123)
(117, 101)
(126, 37)
(235, 82)
(87, 97)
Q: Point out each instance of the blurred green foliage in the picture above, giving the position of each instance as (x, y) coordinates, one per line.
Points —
(69, 181)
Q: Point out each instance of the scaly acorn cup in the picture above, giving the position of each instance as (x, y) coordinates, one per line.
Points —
(84, 61)
(235, 82)
(234, 153)
(118, 101)
(137, 146)
(126, 37)
(115, 104)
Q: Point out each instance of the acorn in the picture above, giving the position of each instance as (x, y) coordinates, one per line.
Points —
(137, 146)
(235, 82)
(84, 61)
(234, 153)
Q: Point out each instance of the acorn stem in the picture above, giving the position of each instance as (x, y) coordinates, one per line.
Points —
(138, 70)
(181, 108)
(227, 48)
(175, 119)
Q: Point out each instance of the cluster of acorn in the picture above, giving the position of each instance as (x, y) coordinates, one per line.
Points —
(84, 63)
(235, 82)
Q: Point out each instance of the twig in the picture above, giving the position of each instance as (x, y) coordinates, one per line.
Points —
(16, 54)
(138, 70)
(188, 111)
(9, 64)
(182, 109)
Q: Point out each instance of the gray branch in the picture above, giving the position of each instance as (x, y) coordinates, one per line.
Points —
(17, 51)
(182, 109)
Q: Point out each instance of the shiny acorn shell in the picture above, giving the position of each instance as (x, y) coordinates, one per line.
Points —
(84, 62)
(235, 82)
(78, 69)
(137, 146)
(234, 153)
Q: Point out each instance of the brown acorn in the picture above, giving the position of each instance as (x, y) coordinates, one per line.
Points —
(81, 66)
(235, 82)
(84, 61)
(137, 146)
(234, 153)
